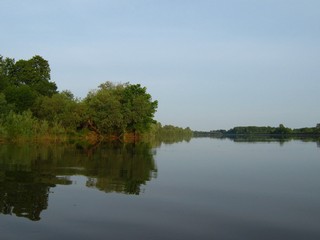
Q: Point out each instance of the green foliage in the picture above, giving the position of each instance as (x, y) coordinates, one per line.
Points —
(119, 108)
(5, 108)
(168, 134)
(138, 108)
(21, 97)
(250, 130)
(254, 130)
(43, 128)
(60, 107)
(169, 130)
(57, 129)
(104, 109)
(19, 125)
(282, 130)
(35, 73)
(22, 82)
(6, 68)
(30, 104)
(24, 126)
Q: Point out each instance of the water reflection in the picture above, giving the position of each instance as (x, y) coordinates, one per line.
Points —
(266, 138)
(28, 172)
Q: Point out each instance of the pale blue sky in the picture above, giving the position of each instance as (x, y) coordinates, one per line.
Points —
(210, 64)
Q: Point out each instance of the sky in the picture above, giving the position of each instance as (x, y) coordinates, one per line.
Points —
(211, 64)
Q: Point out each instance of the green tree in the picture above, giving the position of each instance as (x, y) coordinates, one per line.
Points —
(35, 73)
(22, 82)
(104, 109)
(138, 108)
(283, 130)
(6, 70)
(120, 108)
(61, 108)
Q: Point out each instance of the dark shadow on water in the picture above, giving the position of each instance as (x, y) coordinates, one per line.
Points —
(29, 172)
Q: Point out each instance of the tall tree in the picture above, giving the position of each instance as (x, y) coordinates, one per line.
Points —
(104, 109)
(119, 108)
(138, 108)
(22, 82)
(35, 73)
(6, 70)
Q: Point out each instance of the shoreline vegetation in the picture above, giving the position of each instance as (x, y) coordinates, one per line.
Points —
(256, 132)
(33, 110)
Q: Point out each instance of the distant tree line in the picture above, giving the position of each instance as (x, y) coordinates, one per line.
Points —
(31, 106)
(281, 130)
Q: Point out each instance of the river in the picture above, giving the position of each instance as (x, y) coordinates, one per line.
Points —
(204, 188)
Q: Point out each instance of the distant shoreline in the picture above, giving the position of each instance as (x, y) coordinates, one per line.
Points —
(267, 131)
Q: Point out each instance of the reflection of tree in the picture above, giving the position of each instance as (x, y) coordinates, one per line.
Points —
(29, 171)
(122, 169)
(21, 196)
(25, 194)
(23, 190)
(168, 139)
(174, 139)
(268, 138)
(260, 138)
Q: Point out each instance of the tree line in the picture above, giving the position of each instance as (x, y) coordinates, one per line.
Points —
(168, 134)
(31, 105)
(281, 130)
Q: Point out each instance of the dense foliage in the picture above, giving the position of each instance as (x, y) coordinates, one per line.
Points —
(121, 108)
(22, 82)
(31, 106)
(168, 134)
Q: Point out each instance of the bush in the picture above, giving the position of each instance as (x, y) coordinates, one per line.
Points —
(19, 125)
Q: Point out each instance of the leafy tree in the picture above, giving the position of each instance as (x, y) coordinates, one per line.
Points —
(282, 130)
(60, 107)
(36, 74)
(22, 82)
(104, 109)
(138, 108)
(120, 108)
(6, 69)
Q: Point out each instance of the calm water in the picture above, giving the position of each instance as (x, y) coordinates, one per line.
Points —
(202, 189)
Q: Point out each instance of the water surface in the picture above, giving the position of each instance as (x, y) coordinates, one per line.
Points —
(202, 189)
